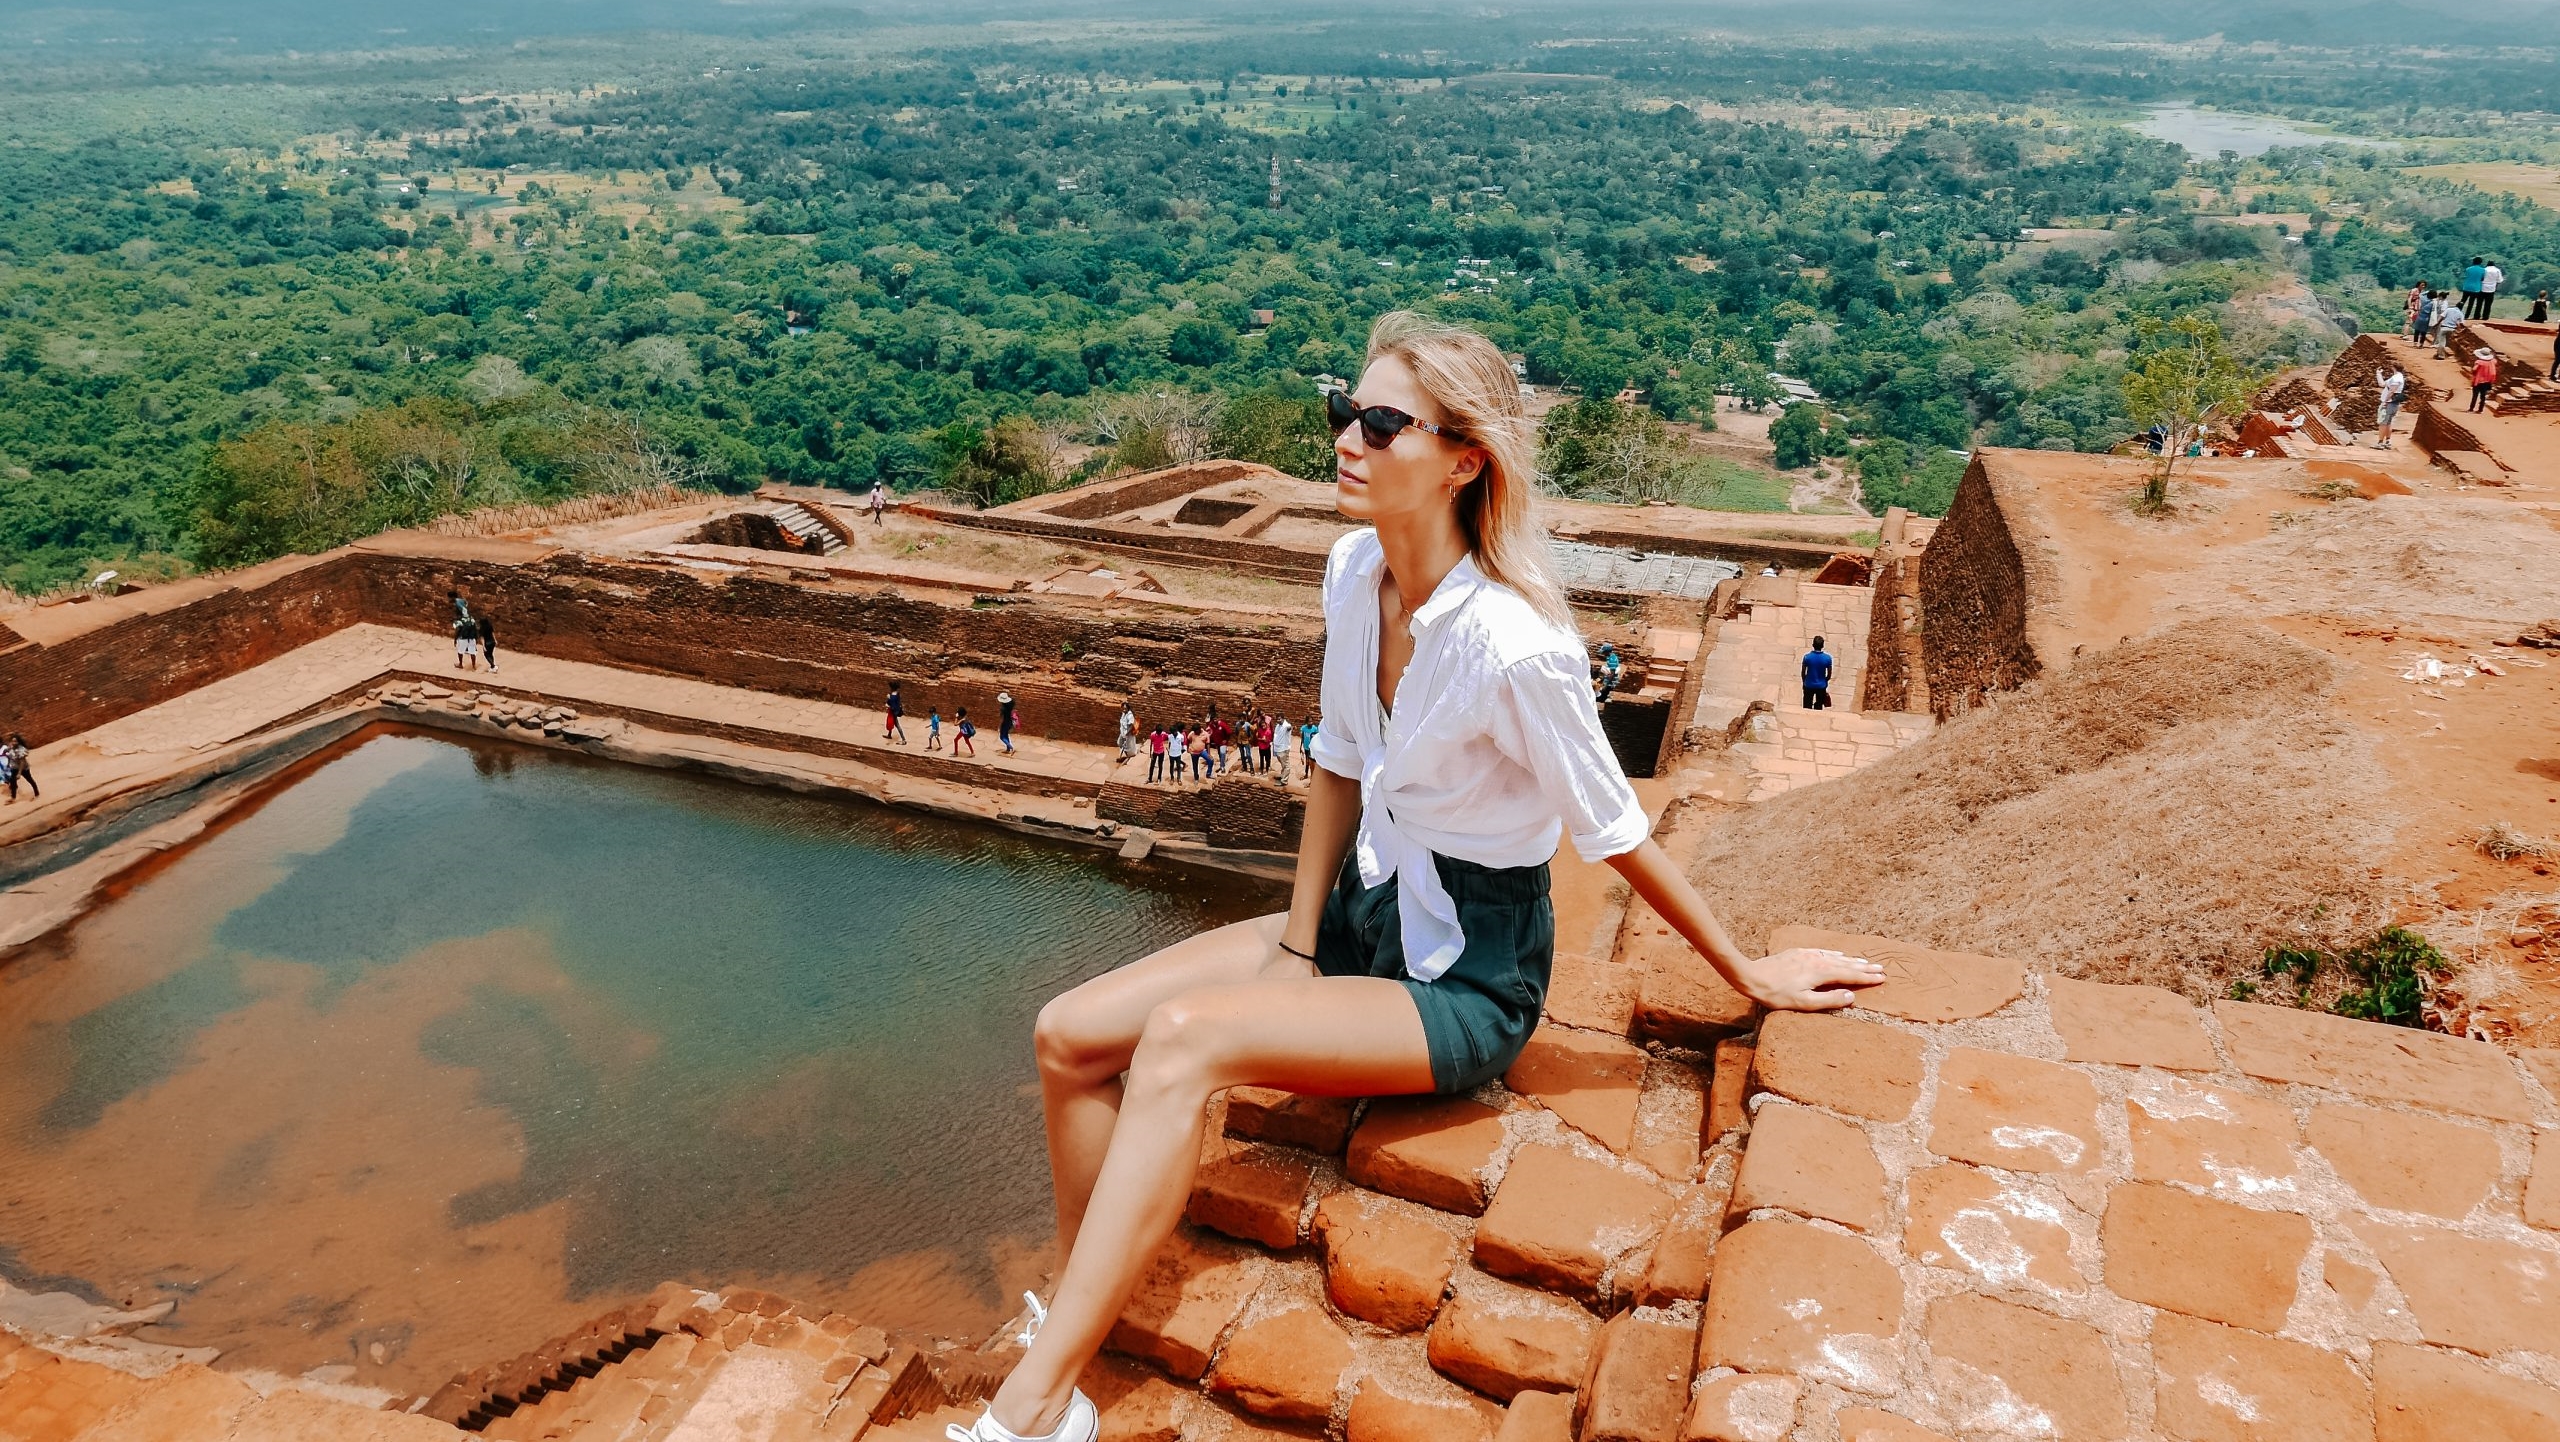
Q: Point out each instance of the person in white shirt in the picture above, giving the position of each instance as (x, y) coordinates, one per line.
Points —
(2393, 386)
(1284, 740)
(2490, 279)
(1459, 744)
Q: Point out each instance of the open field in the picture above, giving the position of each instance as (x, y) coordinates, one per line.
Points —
(2537, 183)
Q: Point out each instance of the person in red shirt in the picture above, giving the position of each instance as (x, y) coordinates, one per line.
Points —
(2484, 378)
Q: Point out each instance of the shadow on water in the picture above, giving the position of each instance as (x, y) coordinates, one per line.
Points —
(617, 1025)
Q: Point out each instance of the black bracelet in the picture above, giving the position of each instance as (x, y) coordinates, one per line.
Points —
(1293, 951)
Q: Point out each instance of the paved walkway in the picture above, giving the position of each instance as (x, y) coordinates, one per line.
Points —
(1757, 657)
(81, 771)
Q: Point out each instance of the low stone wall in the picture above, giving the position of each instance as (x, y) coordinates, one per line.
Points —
(1237, 811)
(167, 644)
(1070, 668)
(1974, 592)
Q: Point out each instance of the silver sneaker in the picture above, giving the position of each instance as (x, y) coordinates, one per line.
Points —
(1081, 1424)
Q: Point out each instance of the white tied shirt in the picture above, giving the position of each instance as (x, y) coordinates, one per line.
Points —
(1494, 750)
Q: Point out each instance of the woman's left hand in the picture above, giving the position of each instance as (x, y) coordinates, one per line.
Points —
(1806, 978)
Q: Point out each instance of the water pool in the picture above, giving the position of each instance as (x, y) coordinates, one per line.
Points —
(443, 1047)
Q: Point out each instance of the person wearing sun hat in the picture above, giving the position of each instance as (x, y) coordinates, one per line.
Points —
(2484, 377)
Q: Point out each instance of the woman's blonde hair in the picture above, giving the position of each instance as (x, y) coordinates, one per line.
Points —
(1474, 386)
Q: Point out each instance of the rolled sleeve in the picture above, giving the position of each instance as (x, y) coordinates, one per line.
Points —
(1544, 718)
(1333, 751)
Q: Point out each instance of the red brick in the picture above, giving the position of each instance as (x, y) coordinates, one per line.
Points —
(1684, 1256)
(1538, 1417)
(1792, 1297)
(1972, 1221)
(1288, 1365)
(2128, 1025)
(1596, 993)
(2425, 1396)
(1856, 1067)
(2008, 1369)
(2385, 1063)
(1669, 1118)
(1868, 1424)
(1560, 1222)
(184, 1404)
(2203, 1257)
(2215, 1137)
(1383, 1264)
(1434, 1151)
(2354, 1284)
(2544, 1063)
(1379, 1414)
(1679, 997)
(1639, 1380)
(2542, 1189)
(1743, 1407)
(55, 1399)
(2221, 1384)
(1727, 1089)
(1808, 1162)
(1146, 1413)
(2407, 1163)
(1184, 1300)
(1503, 1340)
(2009, 1111)
(1591, 1081)
(1320, 1124)
(2479, 1294)
(1254, 1194)
(1919, 984)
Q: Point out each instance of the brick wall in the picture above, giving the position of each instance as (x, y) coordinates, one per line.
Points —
(1973, 593)
(1887, 683)
(49, 692)
(1235, 810)
(740, 631)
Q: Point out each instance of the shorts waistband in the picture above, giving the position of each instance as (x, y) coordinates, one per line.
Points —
(1468, 880)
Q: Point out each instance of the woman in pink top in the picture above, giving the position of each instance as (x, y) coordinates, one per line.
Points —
(2484, 378)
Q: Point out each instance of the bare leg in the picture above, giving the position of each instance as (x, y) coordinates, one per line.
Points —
(1342, 1036)
(1085, 1038)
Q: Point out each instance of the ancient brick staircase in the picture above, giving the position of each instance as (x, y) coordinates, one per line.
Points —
(813, 532)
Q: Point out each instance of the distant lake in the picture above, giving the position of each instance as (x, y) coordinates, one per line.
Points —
(2208, 133)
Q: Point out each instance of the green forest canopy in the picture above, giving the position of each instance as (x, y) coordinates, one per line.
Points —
(837, 265)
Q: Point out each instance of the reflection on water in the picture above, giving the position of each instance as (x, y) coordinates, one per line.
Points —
(447, 1046)
(2207, 133)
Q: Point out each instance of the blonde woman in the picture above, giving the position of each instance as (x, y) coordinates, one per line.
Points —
(1459, 743)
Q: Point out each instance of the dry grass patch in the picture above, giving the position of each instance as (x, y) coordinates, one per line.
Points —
(2164, 813)
(2501, 842)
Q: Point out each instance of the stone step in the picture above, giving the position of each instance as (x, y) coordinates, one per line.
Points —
(930, 1427)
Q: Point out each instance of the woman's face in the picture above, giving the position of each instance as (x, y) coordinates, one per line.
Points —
(1410, 476)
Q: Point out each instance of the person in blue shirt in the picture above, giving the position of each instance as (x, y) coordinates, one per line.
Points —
(1817, 678)
(1609, 668)
(2475, 279)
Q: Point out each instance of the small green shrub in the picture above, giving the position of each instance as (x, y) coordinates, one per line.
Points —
(2387, 976)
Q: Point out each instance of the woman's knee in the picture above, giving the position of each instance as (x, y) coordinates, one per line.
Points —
(1073, 1036)
(1181, 1045)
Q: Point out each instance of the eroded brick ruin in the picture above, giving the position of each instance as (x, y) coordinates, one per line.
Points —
(1989, 1201)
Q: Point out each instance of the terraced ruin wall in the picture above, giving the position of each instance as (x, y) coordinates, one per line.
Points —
(1975, 596)
(1069, 668)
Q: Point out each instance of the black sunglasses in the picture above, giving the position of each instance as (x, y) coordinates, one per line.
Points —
(1379, 425)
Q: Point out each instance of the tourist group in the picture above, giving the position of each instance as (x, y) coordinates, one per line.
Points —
(1197, 751)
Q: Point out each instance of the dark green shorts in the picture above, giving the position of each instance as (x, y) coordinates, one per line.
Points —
(1480, 1012)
